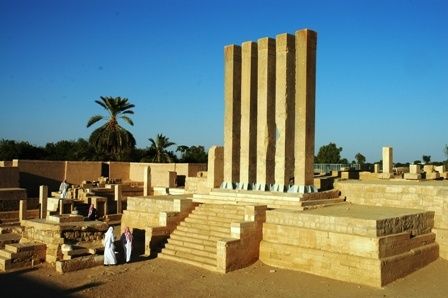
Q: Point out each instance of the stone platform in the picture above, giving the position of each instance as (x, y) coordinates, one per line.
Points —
(361, 244)
(426, 195)
(282, 200)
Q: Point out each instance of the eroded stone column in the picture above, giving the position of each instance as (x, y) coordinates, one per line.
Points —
(215, 166)
(387, 163)
(305, 90)
(232, 115)
(266, 114)
(22, 209)
(284, 111)
(118, 196)
(248, 148)
(43, 199)
(147, 181)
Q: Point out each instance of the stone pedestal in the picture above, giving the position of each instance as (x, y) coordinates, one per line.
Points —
(387, 164)
(376, 168)
(414, 173)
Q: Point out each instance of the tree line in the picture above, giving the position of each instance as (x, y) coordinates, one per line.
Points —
(110, 141)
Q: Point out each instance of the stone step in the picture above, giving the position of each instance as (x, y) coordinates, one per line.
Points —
(194, 245)
(325, 205)
(22, 247)
(208, 221)
(188, 261)
(277, 203)
(191, 230)
(195, 236)
(218, 214)
(206, 226)
(223, 220)
(12, 255)
(323, 202)
(190, 250)
(221, 211)
(221, 207)
(9, 238)
(190, 256)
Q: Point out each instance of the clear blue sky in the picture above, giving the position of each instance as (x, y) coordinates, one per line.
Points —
(382, 68)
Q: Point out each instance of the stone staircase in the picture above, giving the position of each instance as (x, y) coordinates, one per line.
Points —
(217, 237)
(21, 255)
(273, 200)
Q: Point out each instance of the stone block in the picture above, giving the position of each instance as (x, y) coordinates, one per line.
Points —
(412, 176)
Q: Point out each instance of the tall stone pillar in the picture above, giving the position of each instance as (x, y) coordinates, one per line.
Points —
(43, 198)
(118, 196)
(22, 209)
(266, 114)
(284, 111)
(215, 166)
(387, 163)
(147, 181)
(304, 111)
(248, 148)
(232, 115)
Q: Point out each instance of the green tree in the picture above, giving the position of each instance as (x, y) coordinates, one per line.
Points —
(10, 149)
(158, 150)
(329, 154)
(70, 150)
(192, 154)
(417, 162)
(360, 159)
(426, 159)
(110, 140)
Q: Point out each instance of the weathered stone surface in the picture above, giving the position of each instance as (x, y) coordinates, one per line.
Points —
(248, 141)
(305, 81)
(232, 114)
(266, 114)
(215, 175)
(284, 110)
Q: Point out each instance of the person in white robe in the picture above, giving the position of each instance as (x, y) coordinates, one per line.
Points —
(126, 240)
(109, 248)
(63, 189)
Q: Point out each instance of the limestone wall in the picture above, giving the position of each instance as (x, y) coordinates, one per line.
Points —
(197, 185)
(119, 170)
(159, 171)
(9, 177)
(77, 171)
(33, 173)
(404, 194)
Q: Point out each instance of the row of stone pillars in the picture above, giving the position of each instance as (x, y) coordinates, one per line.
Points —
(269, 115)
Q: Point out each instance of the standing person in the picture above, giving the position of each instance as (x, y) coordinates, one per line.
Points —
(92, 215)
(63, 189)
(109, 248)
(126, 240)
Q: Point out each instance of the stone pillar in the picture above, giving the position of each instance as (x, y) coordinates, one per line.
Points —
(215, 166)
(232, 115)
(147, 181)
(43, 199)
(305, 90)
(248, 146)
(284, 111)
(376, 168)
(266, 114)
(118, 196)
(387, 163)
(22, 209)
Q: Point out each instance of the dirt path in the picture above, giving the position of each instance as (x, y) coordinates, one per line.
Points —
(162, 278)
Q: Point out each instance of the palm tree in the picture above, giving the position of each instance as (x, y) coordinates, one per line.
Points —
(111, 140)
(158, 149)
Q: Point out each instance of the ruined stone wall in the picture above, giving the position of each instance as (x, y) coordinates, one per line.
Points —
(9, 177)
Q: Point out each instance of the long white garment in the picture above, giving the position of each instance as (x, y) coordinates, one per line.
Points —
(128, 250)
(63, 189)
(109, 248)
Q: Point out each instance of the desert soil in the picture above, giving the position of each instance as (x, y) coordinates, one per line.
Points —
(163, 278)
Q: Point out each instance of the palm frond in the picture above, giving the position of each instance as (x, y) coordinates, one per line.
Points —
(94, 119)
(127, 119)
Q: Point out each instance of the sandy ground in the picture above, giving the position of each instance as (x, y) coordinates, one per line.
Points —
(163, 278)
